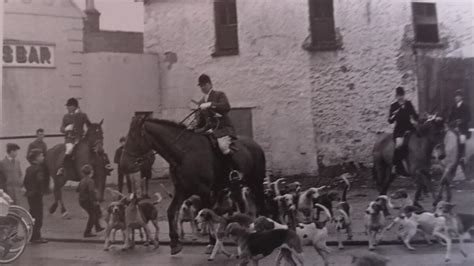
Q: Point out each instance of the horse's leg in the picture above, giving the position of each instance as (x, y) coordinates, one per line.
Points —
(390, 178)
(56, 193)
(175, 204)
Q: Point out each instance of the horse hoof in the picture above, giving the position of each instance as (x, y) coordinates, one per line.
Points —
(340, 247)
(371, 248)
(210, 259)
(447, 259)
(176, 249)
(106, 249)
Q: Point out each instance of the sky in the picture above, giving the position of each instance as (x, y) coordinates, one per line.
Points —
(123, 15)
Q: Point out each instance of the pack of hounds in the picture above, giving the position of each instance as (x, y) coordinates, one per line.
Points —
(297, 218)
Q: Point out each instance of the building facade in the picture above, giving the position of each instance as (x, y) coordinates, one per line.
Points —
(313, 78)
(46, 62)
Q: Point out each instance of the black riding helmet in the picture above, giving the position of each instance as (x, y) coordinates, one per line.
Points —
(400, 91)
(72, 102)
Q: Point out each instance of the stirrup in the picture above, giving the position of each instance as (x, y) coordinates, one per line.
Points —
(235, 176)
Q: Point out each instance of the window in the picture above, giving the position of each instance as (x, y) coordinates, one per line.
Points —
(242, 120)
(225, 16)
(425, 22)
(323, 31)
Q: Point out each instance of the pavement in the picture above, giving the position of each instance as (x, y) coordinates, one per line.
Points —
(79, 254)
(55, 228)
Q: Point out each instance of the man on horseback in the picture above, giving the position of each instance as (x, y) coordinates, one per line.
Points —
(401, 113)
(73, 128)
(460, 117)
(213, 118)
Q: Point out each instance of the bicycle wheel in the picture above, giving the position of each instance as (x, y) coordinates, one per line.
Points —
(25, 215)
(14, 239)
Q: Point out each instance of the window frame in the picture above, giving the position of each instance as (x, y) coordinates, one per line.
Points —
(422, 16)
(225, 28)
(317, 21)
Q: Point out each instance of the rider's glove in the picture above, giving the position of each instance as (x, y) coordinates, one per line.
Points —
(205, 105)
(69, 127)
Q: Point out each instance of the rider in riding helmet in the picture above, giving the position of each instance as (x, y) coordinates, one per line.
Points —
(73, 127)
(461, 116)
(215, 106)
(401, 113)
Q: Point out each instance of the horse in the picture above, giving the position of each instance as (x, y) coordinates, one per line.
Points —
(451, 162)
(83, 153)
(195, 166)
(428, 136)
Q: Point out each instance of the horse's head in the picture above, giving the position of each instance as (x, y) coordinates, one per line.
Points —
(136, 146)
(95, 135)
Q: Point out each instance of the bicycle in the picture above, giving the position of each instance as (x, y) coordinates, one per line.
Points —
(16, 230)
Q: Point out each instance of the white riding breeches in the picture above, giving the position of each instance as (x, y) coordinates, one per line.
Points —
(224, 144)
(69, 148)
(462, 139)
(398, 142)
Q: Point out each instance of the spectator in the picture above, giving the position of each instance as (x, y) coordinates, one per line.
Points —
(120, 174)
(12, 171)
(35, 186)
(38, 144)
(88, 201)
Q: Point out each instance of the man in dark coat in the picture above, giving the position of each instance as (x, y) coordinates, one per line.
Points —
(214, 112)
(37, 144)
(120, 174)
(460, 116)
(401, 113)
(36, 184)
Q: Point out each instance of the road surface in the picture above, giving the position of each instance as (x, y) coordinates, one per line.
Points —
(71, 254)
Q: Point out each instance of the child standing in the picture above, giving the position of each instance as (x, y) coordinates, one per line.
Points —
(35, 184)
(88, 201)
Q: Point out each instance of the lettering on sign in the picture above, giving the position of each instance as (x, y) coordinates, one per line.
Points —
(28, 55)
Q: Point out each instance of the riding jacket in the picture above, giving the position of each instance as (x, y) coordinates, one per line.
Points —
(461, 112)
(401, 115)
(217, 114)
(78, 119)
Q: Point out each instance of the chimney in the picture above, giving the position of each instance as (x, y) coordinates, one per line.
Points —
(92, 20)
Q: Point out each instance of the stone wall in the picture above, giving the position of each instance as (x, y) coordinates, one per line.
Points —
(329, 103)
(269, 75)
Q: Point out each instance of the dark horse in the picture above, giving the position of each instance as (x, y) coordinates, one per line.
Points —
(195, 166)
(428, 136)
(84, 153)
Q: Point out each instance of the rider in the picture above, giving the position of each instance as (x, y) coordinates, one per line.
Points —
(401, 113)
(461, 116)
(215, 105)
(73, 127)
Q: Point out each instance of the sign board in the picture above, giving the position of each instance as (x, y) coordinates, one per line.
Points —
(28, 54)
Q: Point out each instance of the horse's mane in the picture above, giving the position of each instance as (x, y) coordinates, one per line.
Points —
(166, 123)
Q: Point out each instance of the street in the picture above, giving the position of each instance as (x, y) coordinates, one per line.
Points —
(55, 253)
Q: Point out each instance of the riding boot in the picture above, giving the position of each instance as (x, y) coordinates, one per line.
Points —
(462, 153)
(398, 162)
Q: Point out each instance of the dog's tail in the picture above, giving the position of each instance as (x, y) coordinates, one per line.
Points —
(347, 187)
(159, 198)
(276, 186)
(166, 191)
(328, 213)
(387, 200)
(115, 193)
